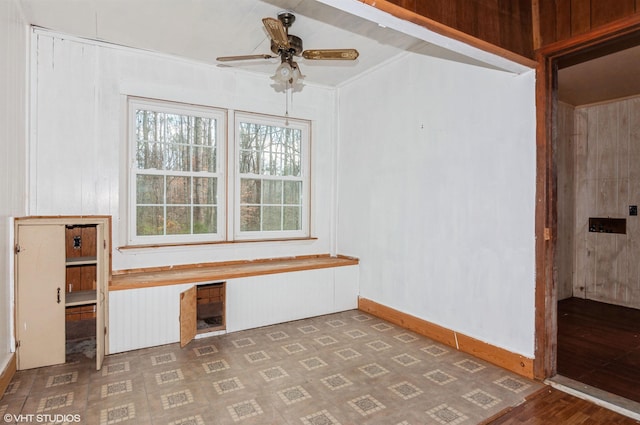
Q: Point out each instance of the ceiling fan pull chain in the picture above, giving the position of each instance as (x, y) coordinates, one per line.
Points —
(287, 90)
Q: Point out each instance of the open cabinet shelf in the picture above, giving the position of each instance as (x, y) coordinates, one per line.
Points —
(78, 298)
(81, 261)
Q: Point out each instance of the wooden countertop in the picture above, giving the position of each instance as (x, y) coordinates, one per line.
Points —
(206, 272)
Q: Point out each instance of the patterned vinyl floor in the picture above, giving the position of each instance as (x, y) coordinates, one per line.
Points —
(345, 368)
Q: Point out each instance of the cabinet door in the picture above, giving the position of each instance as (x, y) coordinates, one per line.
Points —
(40, 295)
(99, 250)
(188, 321)
(100, 326)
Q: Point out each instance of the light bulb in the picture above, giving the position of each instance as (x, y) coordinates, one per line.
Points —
(283, 73)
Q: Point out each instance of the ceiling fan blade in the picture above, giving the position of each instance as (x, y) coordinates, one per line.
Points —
(331, 54)
(243, 57)
(276, 31)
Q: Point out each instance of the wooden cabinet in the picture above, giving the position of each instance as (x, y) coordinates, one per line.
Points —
(81, 272)
(202, 310)
(62, 271)
(210, 308)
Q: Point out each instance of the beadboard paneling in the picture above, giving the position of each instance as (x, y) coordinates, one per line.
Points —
(266, 300)
(147, 317)
(140, 318)
(13, 146)
(78, 152)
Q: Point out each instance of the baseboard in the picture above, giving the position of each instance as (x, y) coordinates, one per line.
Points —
(500, 357)
(7, 374)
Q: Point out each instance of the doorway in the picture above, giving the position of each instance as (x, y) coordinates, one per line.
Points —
(580, 275)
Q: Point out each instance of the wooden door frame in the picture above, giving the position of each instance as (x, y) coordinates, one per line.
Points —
(609, 38)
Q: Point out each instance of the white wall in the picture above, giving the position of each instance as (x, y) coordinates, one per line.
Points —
(436, 195)
(13, 72)
(435, 180)
(78, 155)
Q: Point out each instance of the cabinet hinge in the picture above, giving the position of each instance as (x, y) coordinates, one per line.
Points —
(17, 343)
(105, 330)
(104, 244)
(17, 248)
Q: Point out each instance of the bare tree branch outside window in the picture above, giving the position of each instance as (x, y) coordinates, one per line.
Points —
(270, 177)
(176, 185)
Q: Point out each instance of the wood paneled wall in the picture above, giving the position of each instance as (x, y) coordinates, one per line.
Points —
(522, 26)
(504, 23)
(563, 19)
(566, 203)
(607, 182)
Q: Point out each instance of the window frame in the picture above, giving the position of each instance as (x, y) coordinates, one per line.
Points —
(177, 108)
(305, 172)
(227, 173)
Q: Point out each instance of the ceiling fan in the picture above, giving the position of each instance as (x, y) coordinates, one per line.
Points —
(288, 46)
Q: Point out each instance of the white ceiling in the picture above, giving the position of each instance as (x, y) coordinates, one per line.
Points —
(205, 29)
(609, 77)
(202, 30)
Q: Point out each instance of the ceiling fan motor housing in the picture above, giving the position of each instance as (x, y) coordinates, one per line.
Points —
(295, 46)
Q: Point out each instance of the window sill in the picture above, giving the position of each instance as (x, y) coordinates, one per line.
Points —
(126, 248)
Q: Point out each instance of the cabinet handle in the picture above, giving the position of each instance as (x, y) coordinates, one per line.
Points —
(58, 295)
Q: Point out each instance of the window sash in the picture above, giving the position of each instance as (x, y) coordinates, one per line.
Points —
(175, 212)
(259, 214)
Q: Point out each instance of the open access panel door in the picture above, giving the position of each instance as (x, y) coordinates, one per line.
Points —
(188, 321)
(40, 296)
(102, 268)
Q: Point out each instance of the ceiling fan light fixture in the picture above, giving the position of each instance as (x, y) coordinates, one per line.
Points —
(296, 75)
(283, 73)
(286, 73)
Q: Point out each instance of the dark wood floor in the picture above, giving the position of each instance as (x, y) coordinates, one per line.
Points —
(552, 406)
(599, 345)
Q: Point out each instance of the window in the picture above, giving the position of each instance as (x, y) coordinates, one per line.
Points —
(178, 175)
(177, 172)
(272, 186)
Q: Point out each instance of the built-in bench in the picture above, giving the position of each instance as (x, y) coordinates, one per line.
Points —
(205, 272)
(144, 304)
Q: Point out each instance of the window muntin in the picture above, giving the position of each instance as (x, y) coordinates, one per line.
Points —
(177, 172)
(178, 175)
(272, 183)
